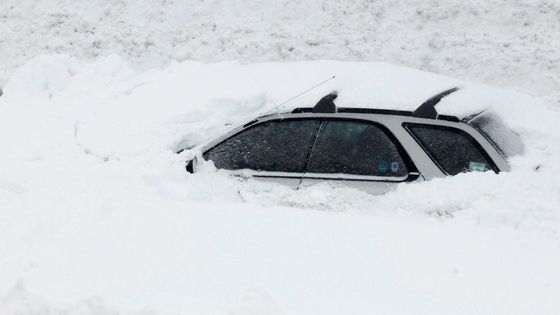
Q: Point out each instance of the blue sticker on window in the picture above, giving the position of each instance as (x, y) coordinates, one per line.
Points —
(477, 166)
(395, 167)
(383, 166)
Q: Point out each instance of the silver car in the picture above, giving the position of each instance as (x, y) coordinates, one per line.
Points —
(370, 149)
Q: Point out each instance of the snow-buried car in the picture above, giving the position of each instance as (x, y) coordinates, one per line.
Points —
(372, 149)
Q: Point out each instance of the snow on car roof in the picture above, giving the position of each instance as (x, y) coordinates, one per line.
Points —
(373, 85)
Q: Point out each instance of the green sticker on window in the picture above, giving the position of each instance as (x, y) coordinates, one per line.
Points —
(477, 167)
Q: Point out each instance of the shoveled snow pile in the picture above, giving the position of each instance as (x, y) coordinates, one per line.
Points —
(99, 217)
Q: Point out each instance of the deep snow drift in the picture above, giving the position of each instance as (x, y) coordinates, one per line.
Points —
(98, 215)
(512, 43)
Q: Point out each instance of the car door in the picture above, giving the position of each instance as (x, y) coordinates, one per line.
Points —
(360, 154)
(273, 150)
(452, 150)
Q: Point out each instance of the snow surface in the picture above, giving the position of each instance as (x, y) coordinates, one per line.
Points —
(512, 43)
(99, 217)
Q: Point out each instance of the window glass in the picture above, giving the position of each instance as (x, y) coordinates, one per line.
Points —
(280, 146)
(453, 150)
(505, 140)
(358, 148)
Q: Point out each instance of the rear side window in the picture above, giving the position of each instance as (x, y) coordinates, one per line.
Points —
(358, 148)
(276, 146)
(453, 150)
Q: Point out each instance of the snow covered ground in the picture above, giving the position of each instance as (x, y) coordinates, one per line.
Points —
(98, 216)
(512, 43)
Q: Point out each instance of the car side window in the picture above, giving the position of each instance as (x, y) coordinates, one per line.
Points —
(453, 150)
(276, 146)
(355, 147)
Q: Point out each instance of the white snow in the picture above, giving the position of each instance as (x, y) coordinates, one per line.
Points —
(99, 217)
(512, 43)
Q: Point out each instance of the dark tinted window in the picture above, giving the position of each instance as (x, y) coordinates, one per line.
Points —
(453, 150)
(505, 140)
(358, 148)
(280, 146)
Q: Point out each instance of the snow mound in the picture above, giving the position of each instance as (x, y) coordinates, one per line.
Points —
(506, 43)
(95, 202)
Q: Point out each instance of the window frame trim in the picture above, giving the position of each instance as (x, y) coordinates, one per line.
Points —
(478, 145)
(412, 171)
(322, 176)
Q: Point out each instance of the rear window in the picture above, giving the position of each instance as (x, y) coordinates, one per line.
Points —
(505, 140)
(453, 150)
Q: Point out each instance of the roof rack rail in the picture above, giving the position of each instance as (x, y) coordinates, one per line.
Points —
(428, 108)
(326, 104)
(357, 110)
(303, 110)
(425, 110)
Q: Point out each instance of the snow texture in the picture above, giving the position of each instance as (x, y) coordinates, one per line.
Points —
(511, 43)
(98, 216)
(97, 207)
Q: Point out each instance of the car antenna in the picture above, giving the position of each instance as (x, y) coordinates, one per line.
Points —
(300, 94)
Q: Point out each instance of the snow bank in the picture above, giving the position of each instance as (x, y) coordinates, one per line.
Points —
(97, 207)
(503, 43)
